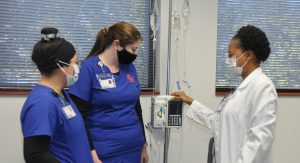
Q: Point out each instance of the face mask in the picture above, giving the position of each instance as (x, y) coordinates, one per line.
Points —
(126, 57)
(71, 79)
(232, 68)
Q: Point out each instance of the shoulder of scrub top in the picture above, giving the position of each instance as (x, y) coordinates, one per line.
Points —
(129, 67)
(90, 61)
(89, 64)
(42, 101)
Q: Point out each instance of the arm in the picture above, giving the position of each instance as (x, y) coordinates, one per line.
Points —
(83, 107)
(197, 112)
(138, 110)
(38, 126)
(262, 125)
(201, 114)
(36, 150)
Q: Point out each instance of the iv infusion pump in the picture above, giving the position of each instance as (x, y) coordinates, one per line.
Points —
(166, 112)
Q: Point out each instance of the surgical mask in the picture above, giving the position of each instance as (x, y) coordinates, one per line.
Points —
(71, 79)
(232, 68)
(126, 57)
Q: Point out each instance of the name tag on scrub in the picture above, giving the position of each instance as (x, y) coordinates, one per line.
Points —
(106, 81)
(68, 112)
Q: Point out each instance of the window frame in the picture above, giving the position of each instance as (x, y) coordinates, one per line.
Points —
(19, 90)
(222, 90)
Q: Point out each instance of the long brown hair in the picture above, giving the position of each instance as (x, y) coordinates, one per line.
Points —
(125, 32)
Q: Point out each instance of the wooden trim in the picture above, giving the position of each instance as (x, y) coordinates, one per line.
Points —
(219, 93)
(288, 94)
(150, 93)
(14, 92)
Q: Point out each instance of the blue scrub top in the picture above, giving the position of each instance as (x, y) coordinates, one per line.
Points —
(111, 119)
(42, 115)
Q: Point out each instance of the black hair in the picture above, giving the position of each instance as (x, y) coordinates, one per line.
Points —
(254, 39)
(50, 50)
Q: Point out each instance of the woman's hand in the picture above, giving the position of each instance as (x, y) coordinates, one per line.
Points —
(182, 96)
(95, 157)
(144, 158)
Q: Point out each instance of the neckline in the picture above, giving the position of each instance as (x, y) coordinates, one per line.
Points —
(53, 92)
(107, 68)
(251, 76)
(45, 87)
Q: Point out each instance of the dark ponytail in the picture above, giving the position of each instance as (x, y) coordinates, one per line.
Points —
(125, 32)
(99, 43)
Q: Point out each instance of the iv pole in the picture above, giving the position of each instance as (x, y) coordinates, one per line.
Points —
(167, 130)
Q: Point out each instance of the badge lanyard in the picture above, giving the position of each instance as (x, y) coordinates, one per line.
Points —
(223, 103)
(226, 99)
(67, 109)
(105, 80)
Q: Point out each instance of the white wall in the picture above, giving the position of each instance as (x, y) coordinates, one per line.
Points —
(11, 147)
(201, 67)
(188, 145)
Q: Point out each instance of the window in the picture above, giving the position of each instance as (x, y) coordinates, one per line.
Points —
(77, 21)
(280, 20)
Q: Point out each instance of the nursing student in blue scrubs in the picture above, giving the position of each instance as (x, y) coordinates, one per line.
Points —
(107, 94)
(53, 128)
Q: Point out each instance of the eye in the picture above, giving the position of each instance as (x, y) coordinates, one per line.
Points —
(135, 50)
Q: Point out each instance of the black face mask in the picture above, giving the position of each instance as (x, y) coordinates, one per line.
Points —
(126, 57)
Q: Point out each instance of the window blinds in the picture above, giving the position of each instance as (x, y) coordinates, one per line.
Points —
(280, 20)
(78, 21)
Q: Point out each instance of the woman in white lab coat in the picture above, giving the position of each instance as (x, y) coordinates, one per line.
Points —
(244, 123)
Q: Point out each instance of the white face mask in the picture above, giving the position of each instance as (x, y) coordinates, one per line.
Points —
(71, 79)
(232, 68)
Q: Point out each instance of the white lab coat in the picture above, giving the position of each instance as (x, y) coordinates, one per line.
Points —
(244, 125)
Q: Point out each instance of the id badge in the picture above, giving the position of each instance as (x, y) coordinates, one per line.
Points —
(68, 112)
(106, 80)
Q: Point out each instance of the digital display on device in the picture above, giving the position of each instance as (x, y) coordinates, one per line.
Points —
(175, 107)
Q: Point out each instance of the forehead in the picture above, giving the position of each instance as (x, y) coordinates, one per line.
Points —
(234, 45)
(135, 44)
(74, 58)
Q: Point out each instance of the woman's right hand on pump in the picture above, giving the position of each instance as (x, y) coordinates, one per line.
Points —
(95, 157)
(182, 96)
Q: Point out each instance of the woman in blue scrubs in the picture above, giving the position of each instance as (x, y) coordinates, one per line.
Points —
(107, 94)
(53, 128)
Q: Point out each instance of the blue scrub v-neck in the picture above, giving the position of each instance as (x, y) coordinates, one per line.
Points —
(42, 114)
(111, 119)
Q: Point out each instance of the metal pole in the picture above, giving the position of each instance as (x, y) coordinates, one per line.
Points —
(167, 130)
(169, 48)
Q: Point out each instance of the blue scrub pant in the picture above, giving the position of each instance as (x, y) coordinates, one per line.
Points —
(128, 157)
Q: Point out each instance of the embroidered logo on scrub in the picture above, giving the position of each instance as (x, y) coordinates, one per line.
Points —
(130, 79)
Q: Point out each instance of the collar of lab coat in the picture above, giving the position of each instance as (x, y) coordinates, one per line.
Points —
(250, 77)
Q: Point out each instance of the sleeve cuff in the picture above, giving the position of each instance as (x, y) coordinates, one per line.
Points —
(197, 107)
(200, 114)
